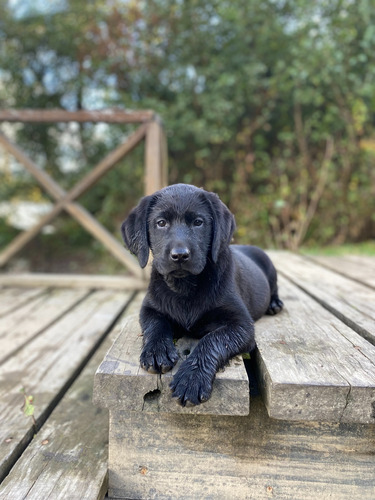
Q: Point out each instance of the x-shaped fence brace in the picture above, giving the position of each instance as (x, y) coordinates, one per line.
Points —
(155, 178)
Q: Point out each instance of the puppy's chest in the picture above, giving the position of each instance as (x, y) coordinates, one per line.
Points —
(185, 312)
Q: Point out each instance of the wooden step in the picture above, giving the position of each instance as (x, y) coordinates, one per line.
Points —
(120, 382)
(312, 365)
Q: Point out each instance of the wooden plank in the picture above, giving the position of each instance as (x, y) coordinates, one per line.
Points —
(13, 298)
(60, 115)
(121, 383)
(357, 267)
(47, 367)
(350, 301)
(312, 366)
(199, 456)
(67, 458)
(32, 318)
(71, 281)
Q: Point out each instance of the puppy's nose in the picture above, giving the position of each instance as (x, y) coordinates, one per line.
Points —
(180, 254)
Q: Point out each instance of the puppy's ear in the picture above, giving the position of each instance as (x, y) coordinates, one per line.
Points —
(135, 232)
(223, 225)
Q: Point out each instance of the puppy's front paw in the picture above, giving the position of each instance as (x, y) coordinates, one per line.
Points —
(191, 385)
(158, 357)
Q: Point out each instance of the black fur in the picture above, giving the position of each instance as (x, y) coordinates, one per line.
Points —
(200, 285)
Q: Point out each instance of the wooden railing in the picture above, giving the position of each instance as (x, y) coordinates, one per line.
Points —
(150, 130)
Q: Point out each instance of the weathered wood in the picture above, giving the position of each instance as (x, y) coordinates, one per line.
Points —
(161, 455)
(48, 365)
(60, 115)
(68, 457)
(164, 157)
(357, 267)
(70, 280)
(350, 301)
(120, 382)
(74, 209)
(105, 237)
(13, 298)
(155, 163)
(33, 317)
(81, 187)
(313, 366)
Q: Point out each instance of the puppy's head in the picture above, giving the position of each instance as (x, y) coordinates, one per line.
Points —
(182, 225)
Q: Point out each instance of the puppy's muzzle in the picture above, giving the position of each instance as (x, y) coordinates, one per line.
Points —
(179, 255)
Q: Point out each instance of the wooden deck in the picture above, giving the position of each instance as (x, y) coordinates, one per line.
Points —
(316, 364)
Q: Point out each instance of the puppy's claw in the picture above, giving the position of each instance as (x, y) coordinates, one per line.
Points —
(190, 386)
(158, 359)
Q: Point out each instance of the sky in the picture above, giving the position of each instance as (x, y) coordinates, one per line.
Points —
(23, 8)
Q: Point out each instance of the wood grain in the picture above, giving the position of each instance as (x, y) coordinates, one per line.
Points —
(68, 457)
(357, 267)
(13, 298)
(165, 456)
(30, 319)
(313, 366)
(120, 382)
(352, 302)
(47, 365)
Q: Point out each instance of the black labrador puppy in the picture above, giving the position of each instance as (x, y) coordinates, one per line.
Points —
(200, 285)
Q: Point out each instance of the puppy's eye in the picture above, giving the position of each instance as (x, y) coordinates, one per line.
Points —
(198, 222)
(161, 223)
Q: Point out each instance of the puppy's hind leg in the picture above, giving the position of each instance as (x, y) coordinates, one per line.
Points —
(276, 304)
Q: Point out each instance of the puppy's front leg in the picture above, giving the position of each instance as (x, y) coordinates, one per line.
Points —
(192, 384)
(159, 354)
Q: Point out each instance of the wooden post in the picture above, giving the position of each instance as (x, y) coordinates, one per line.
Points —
(164, 157)
(155, 159)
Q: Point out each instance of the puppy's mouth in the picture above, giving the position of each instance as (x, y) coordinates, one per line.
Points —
(179, 273)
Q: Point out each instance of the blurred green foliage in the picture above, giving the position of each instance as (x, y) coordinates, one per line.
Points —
(271, 104)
